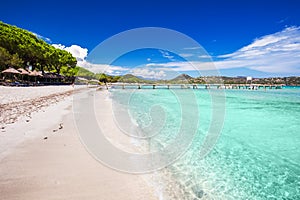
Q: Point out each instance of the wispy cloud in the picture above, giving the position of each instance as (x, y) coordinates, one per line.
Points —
(191, 48)
(182, 66)
(283, 20)
(103, 68)
(274, 53)
(46, 39)
(166, 54)
(204, 56)
(186, 55)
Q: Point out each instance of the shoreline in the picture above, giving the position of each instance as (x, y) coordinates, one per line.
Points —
(44, 159)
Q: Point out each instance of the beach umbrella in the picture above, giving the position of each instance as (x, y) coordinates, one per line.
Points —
(10, 71)
(35, 74)
(23, 72)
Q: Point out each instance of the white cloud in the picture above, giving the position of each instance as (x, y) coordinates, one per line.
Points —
(275, 53)
(102, 68)
(166, 54)
(81, 53)
(147, 73)
(185, 55)
(77, 51)
(264, 41)
(59, 46)
(183, 66)
(191, 48)
(204, 56)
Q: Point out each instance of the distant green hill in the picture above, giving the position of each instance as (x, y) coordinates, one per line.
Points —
(82, 72)
(85, 73)
(186, 79)
(182, 78)
(129, 78)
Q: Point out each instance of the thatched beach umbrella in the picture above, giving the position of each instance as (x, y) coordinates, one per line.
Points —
(23, 72)
(35, 74)
(10, 71)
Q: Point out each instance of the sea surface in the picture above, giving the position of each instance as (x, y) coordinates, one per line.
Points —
(256, 156)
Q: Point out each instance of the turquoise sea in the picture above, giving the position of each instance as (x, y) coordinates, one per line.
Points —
(257, 155)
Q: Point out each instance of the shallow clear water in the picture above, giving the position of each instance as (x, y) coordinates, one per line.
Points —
(257, 155)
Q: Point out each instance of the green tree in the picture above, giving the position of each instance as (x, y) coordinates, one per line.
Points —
(4, 58)
(103, 78)
(16, 61)
(115, 79)
(68, 71)
(25, 48)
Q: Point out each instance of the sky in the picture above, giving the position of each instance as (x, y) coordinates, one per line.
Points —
(240, 38)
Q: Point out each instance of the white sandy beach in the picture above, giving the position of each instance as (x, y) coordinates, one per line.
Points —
(41, 156)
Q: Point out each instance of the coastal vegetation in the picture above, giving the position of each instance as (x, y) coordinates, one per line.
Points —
(20, 48)
(186, 79)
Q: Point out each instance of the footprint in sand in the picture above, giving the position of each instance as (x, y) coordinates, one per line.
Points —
(60, 127)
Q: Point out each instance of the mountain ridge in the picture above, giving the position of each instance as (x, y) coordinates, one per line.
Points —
(187, 79)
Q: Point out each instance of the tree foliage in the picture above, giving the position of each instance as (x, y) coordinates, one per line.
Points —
(20, 48)
(103, 78)
(5, 58)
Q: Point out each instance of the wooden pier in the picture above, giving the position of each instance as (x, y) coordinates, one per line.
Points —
(195, 86)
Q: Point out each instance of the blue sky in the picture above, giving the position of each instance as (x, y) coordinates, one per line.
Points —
(251, 37)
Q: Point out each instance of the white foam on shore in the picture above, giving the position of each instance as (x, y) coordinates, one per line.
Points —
(105, 117)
